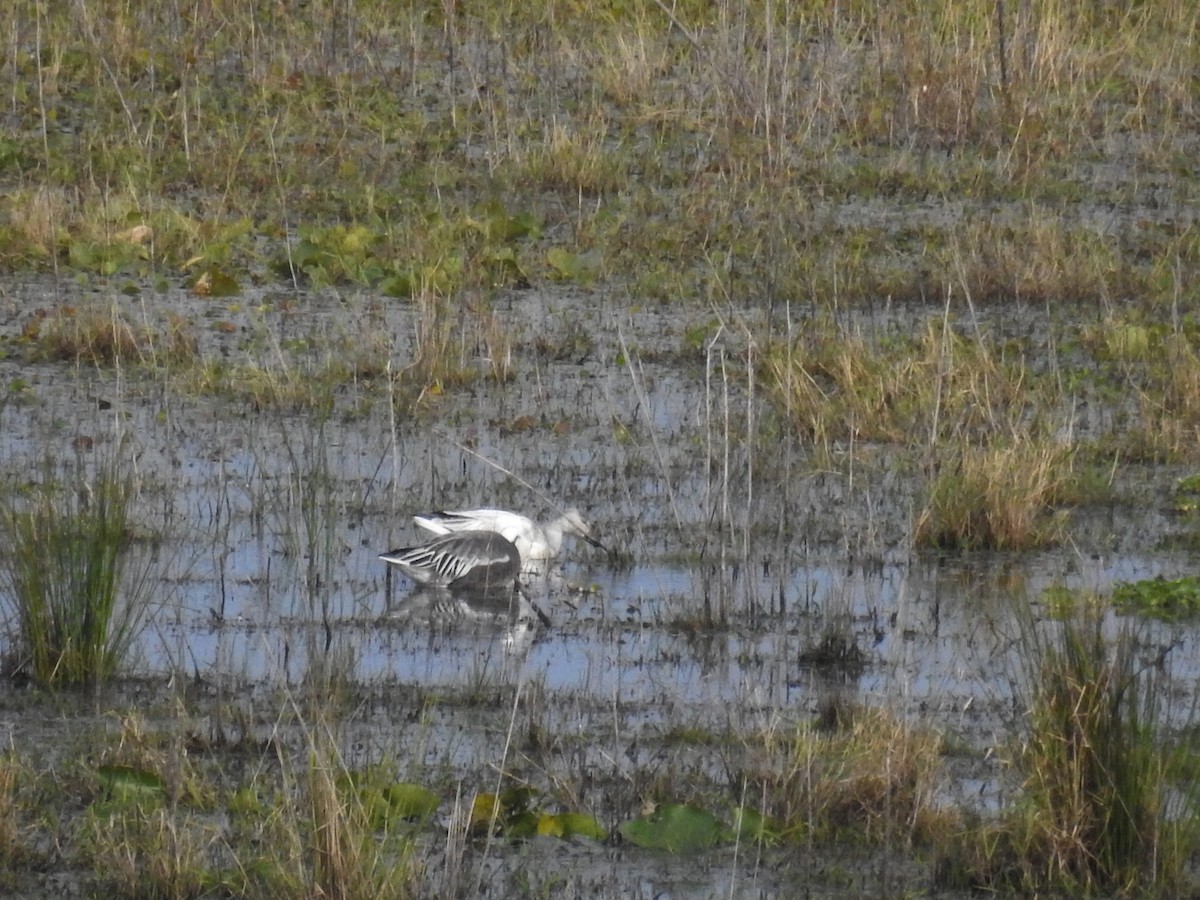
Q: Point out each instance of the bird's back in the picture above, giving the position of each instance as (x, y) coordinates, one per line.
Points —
(470, 560)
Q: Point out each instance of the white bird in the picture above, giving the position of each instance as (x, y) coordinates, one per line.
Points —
(476, 561)
(533, 541)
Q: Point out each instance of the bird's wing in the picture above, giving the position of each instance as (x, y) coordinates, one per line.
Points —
(502, 521)
(434, 522)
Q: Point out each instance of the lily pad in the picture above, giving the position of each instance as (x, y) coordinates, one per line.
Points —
(568, 266)
(504, 228)
(402, 800)
(676, 827)
(570, 824)
(751, 825)
(215, 282)
(484, 810)
(127, 784)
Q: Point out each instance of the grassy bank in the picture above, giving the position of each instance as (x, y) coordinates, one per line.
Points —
(785, 153)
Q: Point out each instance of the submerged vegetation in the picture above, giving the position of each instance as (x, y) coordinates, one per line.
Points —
(937, 257)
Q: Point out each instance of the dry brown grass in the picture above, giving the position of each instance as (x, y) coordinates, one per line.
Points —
(456, 341)
(1169, 402)
(1036, 257)
(943, 385)
(109, 337)
(157, 851)
(870, 777)
(41, 216)
(578, 159)
(996, 497)
(297, 829)
(11, 845)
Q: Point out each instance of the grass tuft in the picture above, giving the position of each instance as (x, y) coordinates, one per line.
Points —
(108, 338)
(996, 498)
(77, 603)
(1096, 779)
(870, 777)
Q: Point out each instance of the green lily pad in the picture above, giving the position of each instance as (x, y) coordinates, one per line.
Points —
(521, 825)
(676, 827)
(485, 809)
(127, 784)
(569, 824)
(751, 825)
(405, 800)
(503, 228)
(570, 266)
(215, 282)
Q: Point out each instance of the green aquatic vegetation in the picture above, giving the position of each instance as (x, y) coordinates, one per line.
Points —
(75, 584)
(1063, 603)
(1091, 818)
(337, 254)
(581, 268)
(1186, 496)
(386, 801)
(432, 251)
(1163, 598)
(130, 784)
(598, 112)
(516, 814)
(676, 827)
(566, 825)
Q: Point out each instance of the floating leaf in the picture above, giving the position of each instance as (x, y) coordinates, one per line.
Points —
(511, 811)
(569, 824)
(484, 810)
(505, 269)
(676, 827)
(410, 801)
(125, 783)
(550, 825)
(502, 228)
(573, 266)
(522, 825)
(399, 285)
(751, 825)
(214, 282)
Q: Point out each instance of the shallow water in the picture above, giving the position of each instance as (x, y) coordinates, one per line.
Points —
(732, 560)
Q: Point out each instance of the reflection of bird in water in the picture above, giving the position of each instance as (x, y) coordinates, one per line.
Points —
(474, 560)
(453, 607)
(534, 542)
(507, 611)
